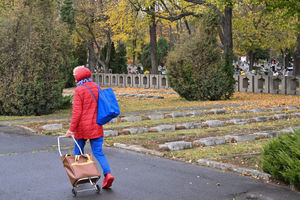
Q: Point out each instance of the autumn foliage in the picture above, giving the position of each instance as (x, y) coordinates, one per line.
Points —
(29, 60)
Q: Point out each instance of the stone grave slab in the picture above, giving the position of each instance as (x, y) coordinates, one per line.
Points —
(52, 127)
(110, 133)
(162, 128)
(239, 138)
(210, 141)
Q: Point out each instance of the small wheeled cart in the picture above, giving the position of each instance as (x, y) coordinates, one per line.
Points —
(81, 169)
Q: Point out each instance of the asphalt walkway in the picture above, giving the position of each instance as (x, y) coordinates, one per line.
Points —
(30, 169)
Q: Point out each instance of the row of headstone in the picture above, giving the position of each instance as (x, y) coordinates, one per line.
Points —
(268, 84)
(132, 80)
(196, 113)
(212, 141)
(139, 95)
(244, 83)
(158, 92)
(195, 125)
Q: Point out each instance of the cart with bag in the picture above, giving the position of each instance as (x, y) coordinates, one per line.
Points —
(80, 169)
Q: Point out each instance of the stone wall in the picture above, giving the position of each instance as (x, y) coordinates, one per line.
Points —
(248, 83)
(132, 80)
(268, 84)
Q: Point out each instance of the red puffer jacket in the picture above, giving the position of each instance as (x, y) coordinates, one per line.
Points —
(84, 114)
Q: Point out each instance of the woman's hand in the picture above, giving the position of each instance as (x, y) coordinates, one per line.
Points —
(69, 133)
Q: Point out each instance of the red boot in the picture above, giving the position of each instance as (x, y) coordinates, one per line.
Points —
(108, 180)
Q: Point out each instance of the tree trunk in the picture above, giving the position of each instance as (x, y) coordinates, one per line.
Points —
(181, 28)
(227, 28)
(172, 37)
(283, 58)
(134, 52)
(153, 46)
(92, 60)
(161, 35)
(251, 59)
(297, 58)
(108, 52)
(228, 44)
(286, 58)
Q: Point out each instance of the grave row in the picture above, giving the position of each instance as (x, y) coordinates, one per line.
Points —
(188, 125)
(212, 141)
(196, 125)
(195, 113)
(139, 95)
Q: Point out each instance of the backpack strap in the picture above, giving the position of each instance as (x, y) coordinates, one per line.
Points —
(99, 89)
(91, 91)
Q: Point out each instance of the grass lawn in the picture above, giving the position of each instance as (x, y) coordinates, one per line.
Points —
(59, 113)
(174, 101)
(192, 155)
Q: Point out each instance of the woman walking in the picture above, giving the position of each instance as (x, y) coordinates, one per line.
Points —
(83, 124)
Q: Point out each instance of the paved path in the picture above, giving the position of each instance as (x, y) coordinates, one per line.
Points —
(35, 172)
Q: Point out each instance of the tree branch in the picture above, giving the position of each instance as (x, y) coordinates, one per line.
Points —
(108, 52)
(172, 18)
(81, 36)
(187, 26)
(221, 35)
(204, 3)
(219, 45)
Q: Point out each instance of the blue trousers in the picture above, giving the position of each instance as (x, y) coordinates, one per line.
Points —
(96, 145)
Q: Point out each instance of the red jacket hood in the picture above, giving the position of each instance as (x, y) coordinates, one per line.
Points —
(82, 73)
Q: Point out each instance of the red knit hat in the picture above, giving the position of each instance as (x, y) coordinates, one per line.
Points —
(82, 73)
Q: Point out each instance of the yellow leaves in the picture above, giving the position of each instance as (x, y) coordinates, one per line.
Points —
(126, 23)
(267, 30)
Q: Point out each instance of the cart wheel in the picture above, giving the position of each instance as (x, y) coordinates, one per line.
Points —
(74, 192)
(98, 188)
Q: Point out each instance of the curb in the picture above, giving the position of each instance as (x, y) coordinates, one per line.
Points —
(138, 149)
(26, 128)
(240, 170)
(208, 163)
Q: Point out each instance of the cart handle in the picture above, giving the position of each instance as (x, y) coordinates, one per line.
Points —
(58, 144)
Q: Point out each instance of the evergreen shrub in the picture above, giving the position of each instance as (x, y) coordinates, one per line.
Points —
(66, 102)
(162, 51)
(118, 61)
(31, 82)
(195, 68)
(75, 55)
(145, 57)
(281, 159)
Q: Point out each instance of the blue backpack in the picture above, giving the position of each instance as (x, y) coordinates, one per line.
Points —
(108, 107)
